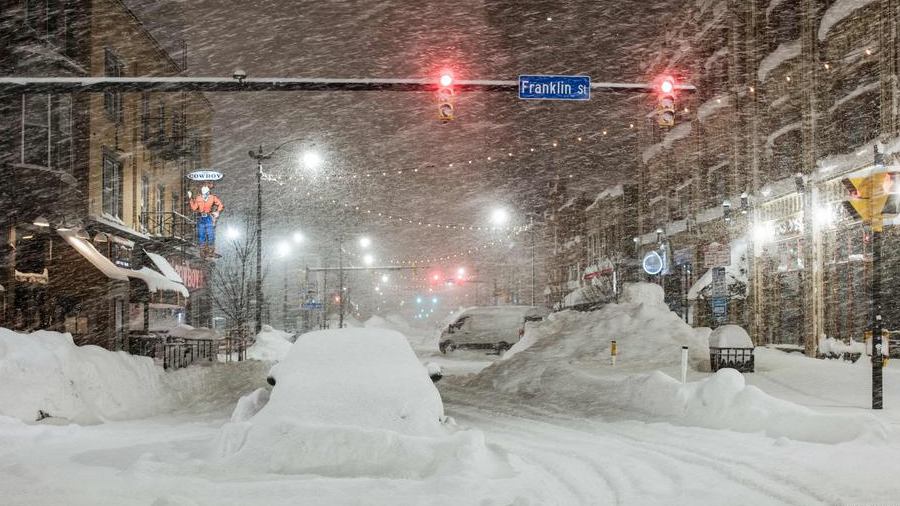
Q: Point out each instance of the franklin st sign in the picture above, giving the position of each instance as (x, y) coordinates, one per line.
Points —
(555, 87)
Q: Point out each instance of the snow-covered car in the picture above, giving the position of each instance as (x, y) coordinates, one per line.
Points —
(494, 328)
(349, 401)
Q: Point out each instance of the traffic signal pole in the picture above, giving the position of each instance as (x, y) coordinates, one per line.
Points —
(877, 356)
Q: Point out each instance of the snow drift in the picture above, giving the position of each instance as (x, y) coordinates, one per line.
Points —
(565, 362)
(45, 371)
(271, 344)
(352, 402)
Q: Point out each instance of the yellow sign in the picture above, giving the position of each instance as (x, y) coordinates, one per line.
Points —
(874, 197)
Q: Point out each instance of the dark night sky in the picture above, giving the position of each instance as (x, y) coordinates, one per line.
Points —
(365, 131)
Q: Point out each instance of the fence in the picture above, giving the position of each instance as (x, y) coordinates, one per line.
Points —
(733, 358)
(176, 353)
(173, 225)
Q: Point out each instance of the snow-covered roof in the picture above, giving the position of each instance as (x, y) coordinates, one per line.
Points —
(679, 132)
(837, 12)
(154, 280)
(784, 52)
(164, 267)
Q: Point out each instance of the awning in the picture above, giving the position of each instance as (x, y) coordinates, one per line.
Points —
(164, 267)
(154, 280)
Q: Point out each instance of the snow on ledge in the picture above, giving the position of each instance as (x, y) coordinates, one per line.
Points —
(679, 132)
(838, 11)
(783, 53)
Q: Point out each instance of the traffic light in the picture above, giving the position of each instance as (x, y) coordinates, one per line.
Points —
(665, 107)
(446, 98)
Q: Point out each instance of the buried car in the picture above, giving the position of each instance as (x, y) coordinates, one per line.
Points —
(494, 328)
(350, 402)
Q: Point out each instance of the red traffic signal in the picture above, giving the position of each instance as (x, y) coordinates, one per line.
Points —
(445, 97)
(667, 86)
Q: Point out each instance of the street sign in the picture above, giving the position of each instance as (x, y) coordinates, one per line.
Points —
(205, 175)
(720, 309)
(312, 306)
(555, 87)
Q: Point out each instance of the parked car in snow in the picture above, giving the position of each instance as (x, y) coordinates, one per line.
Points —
(494, 328)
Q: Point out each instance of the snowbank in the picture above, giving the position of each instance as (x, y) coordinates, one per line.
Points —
(421, 338)
(347, 403)
(45, 371)
(832, 346)
(271, 344)
(730, 336)
(564, 362)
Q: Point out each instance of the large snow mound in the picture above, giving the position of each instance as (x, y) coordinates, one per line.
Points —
(271, 344)
(351, 402)
(730, 336)
(45, 371)
(421, 338)
(564, 362)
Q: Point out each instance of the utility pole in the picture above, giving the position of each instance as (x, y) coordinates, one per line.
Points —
(259, 157)
(877, 356)
(284, 304)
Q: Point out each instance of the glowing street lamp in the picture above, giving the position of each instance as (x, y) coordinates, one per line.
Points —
(311, 159)
(283, 249)
(364, 242)
(232, 233)
(499, 217)
(298, 237)
(368, 260)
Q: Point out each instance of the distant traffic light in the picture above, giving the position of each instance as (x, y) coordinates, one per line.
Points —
(665, 107)
(446, 98)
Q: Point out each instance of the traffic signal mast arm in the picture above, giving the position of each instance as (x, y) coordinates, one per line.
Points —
(174, 84)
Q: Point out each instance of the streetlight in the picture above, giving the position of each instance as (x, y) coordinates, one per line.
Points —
(283, 249)
(260, 157)
(312, 160)
(232, 233)
(364, 242)
(368, 260)
(499, 217)
(298, 237)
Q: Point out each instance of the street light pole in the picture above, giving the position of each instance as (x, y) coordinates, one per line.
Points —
(259, 157)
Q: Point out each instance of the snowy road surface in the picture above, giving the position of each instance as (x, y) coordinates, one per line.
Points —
(554, 459)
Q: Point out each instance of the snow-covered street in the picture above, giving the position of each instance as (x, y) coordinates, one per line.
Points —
(557, 459)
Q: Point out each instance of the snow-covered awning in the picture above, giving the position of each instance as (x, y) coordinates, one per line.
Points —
(165, 267)
(154, 280)
(185, 331)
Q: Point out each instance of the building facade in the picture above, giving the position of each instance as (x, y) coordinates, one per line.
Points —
(98, 238)
(793, 96)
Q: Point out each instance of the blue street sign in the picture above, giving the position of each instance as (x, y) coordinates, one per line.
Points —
(312, 305)
(555, 87)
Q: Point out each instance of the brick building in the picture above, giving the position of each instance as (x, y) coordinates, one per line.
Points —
(98, 242)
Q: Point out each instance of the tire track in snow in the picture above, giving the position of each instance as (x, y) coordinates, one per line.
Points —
(642, 449)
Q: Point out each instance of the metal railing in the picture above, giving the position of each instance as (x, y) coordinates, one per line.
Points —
(175, 353)
(169, 224)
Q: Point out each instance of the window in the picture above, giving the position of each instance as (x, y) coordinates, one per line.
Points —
(36, 130)
(145, 117)
(62, 132)
(160, 192)
(112, 100)
(176, 205)
(145, 201)
(112, 185)
(161, 121)
(48, 19)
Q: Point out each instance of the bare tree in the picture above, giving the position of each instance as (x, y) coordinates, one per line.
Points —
(233, 282)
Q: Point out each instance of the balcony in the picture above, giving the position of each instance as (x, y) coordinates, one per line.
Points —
(169, 225)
